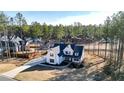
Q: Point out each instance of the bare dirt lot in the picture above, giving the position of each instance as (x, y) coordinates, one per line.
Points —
(11, 63)
(46, 73)
(6, 67)
(38, 73)
(91, 59)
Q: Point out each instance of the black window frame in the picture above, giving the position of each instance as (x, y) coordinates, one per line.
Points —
(77, 59)
(76, 54)
(52, 61)
(51, 54)
(67, 52)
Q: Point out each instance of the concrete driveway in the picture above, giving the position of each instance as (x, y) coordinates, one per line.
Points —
(14, 72)
(3, 78)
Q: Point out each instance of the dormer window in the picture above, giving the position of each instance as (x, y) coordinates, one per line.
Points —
(76, 54)
(67, 52)
(51, 54)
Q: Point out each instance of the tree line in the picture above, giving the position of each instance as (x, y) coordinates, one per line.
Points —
(18, 25)
(112, 28)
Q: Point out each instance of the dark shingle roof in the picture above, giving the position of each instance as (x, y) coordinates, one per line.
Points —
(62, 47)
(60, 54)
(76, 48)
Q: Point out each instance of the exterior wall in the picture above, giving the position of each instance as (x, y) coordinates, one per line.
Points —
(57, 60)
(55, 57)
(19, 47)
(68, 59)
(68, 48)
(61, 59)
(82, 57)
(16, 48)
(56, 50)
(76, 61)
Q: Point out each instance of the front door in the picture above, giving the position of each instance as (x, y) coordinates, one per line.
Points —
(68, 59)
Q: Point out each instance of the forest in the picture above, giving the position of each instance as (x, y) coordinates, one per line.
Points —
(18, 25)
(112, 28)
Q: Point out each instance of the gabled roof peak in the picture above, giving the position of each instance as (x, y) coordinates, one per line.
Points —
(76, 48)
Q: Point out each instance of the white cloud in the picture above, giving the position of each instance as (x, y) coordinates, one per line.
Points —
(92, 18)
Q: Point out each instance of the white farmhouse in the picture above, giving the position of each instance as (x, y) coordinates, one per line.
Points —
(65, 52)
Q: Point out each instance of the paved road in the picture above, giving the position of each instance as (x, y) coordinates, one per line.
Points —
(3, 78)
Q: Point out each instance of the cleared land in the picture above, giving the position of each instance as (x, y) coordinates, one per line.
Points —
(6, 67)
(11, 63)
(38, 73)
(45, 73)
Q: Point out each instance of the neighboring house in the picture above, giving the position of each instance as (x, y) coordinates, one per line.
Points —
(8, 45)
(14, 43)
(4, 38)
(17, 39)
(65, 52)
(19, 43)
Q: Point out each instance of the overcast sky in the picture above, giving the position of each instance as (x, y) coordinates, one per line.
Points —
(64, 17)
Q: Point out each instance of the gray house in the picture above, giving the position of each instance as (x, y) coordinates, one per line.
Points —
(14, 43)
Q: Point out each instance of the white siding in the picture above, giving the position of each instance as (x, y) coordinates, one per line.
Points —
(56, 50)
(50, 57)
(61, 59)
(82, 57)
(76, 61)
(55, 56)
(16, 47)
(69, 49)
